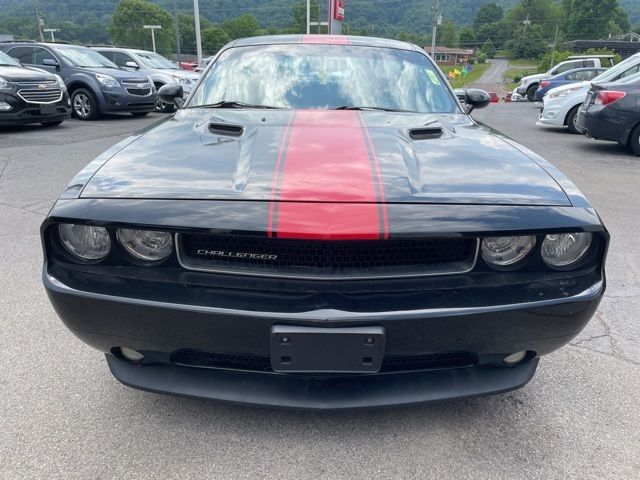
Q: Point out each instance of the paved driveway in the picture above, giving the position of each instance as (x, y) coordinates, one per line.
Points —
(63, 416)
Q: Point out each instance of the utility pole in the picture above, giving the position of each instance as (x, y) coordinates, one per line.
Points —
(555, 42)
(308, 17)
(175, 11)
(153, 29)
(437, 20)
(526, 22)
(39, 22)
(52, 30)
(196, 14)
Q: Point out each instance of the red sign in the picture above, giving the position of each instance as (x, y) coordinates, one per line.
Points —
(338, 10)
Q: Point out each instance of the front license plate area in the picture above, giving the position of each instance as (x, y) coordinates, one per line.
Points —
(327, 350)
(48, 109)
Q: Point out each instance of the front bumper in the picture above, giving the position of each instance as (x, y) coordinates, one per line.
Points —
(553, 114)
(23, 113)
(121, 101)
(160, 329)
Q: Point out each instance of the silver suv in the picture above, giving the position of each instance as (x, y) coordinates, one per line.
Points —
(161, 70)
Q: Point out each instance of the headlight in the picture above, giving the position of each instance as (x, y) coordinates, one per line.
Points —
(146, 244)
(5, 86)
(562, 250)
(61, 83)
(506, 251)
(181, 80)
(85, 242)
(106, 80)
(562, 93)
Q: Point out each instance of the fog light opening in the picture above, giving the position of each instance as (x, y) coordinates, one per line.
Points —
(131, 355)
(514, 359)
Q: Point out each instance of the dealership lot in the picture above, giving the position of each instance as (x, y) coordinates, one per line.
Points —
(62, 415)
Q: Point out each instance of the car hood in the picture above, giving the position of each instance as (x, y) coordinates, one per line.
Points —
(117, 73)
(21, 74)
(538, 76)
(323, 156)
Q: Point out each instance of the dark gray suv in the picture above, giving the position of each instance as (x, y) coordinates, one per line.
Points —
(95, 84)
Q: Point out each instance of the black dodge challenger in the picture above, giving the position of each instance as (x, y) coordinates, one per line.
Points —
(322, 225)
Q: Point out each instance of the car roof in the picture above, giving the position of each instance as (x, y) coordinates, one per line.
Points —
(324, 40)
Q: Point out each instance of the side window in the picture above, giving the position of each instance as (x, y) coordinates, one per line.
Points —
(564, 68)
(107, 54)
(121, 59)
(632, 71)
(39, 54)
(590, 63)
(591, 74)
(572, 76)
(22, 54)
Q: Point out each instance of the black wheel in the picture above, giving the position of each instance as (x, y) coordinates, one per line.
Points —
(139, 114)
(84, 104)
(531, 92)
(572, 117)
(162, 107)
(51, 124)
(634, 140)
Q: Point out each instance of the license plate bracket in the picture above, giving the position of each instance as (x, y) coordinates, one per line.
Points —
(48, 109)
(327, 350)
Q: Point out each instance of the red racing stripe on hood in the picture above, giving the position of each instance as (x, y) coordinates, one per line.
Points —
(330, 187)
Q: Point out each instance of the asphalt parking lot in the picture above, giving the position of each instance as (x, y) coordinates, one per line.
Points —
(62, 415)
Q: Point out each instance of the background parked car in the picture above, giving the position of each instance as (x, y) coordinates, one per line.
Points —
(161, 70)
(203, 64)
(529, 84)
(571, 76)
(561, 104)
(611, 111)
(95, 84)
(30, 95)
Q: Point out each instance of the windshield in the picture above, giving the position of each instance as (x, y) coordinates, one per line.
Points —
(7, 60)
(154, 60)
(326, 77)
(84, 57)
(619, 68)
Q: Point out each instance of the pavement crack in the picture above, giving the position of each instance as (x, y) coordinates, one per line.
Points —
(4, 167)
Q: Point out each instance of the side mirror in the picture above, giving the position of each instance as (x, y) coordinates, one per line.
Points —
(50, 62)
(475, 98)
(132, 65)
(171, 94)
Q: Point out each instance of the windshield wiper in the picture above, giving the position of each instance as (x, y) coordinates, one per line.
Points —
(382, 109)
(233, 104)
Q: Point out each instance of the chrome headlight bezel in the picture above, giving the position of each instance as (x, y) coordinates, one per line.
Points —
(138, 244)
(507, 252)
(85, 250)
(583, 242)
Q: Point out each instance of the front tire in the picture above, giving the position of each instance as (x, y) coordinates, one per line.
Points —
(531, 92)
(84, 104)
(571, 120)
(634, 141)
(51, 124)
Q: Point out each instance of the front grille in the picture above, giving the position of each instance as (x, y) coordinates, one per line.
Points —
(142, 92)
(327, 259)
(41, 96)
(259, 363)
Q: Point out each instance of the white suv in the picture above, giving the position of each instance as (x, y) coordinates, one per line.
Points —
(529, 84)
(560, 105)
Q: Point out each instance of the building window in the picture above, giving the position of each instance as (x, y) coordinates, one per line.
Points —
(443, 57)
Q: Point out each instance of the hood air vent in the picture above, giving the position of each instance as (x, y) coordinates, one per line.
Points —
(425, 133)
(226, 129)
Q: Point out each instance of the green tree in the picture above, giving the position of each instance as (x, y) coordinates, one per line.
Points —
(127, 25)
(241, 27)
(489, 48)
(300, 17)
(449, 36)
(528, 42)
(488, 13)
(213, 39)
(594, 19)
(496, 32)
(547, 14)
(467, 38)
